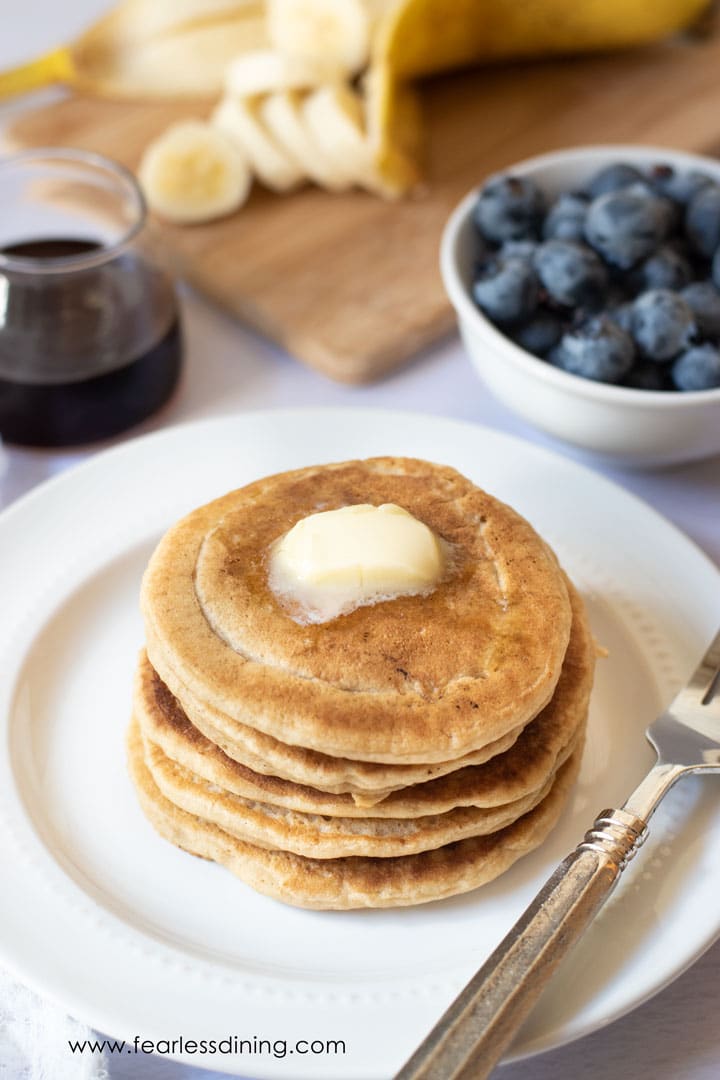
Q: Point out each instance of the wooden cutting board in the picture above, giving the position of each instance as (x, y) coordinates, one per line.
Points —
(348, 283)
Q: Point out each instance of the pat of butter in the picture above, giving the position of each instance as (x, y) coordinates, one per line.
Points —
(336, 560)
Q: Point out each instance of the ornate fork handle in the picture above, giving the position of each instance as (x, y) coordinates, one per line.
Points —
(470, 1037)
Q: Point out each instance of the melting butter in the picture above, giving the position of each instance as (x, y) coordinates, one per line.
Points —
(337, 560)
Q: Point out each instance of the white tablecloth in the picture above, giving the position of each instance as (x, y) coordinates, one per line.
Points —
(675, 1035)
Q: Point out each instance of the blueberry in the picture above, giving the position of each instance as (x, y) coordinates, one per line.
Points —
(622, 316)
(666, 208)
(566, 218)
(506, 290)
(556, 356)
(540, 334)
(521, 249)
(571, 273)
(509, 208)
(702, 220)
(648, 376)
(663, 324)
(644, 188)
(598, 349)
(620, 290)
(716, 268)
(482, 250)
(626, 226)
(666, 268)
(697, 369)
(703, 299)
(613, 178)
(678, 185)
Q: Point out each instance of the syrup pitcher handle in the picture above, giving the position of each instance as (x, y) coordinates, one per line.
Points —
(472, 1034)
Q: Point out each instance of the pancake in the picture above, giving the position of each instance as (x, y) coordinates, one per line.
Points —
(414, 680)
(352, 882)
(317, 835)
(367, 781)
(505, 778)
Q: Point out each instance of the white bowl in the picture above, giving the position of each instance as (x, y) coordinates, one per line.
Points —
(637, 427)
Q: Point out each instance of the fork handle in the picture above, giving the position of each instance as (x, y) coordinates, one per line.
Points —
(470, 1037)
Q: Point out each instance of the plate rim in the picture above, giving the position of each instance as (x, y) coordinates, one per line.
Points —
(128, 446)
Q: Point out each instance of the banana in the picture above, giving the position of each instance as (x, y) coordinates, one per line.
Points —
(193, 173)
(152, 49)
(282, 115)
(334, 118)
(263, 71)
(272, 165)
(134, 21)
(337, 31)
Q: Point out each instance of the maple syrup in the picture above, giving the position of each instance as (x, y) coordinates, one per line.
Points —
(89, 346)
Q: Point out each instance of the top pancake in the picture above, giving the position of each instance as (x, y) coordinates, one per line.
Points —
(414, 679)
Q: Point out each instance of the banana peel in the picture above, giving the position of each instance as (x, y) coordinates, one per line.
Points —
(159, 49)
(422, 37)
(395, 129)
(185, 64)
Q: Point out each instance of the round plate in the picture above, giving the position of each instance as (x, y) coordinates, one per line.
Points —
(138, 938)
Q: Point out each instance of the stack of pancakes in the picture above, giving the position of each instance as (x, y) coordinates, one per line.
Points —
(406, 751)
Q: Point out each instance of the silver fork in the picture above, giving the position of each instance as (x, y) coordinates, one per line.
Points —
(470, 1037)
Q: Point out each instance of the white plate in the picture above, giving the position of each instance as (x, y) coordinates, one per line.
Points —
(138, 938)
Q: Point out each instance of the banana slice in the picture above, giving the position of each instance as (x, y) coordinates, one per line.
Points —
(282, 115)
(334, 118)
(265, 70)
(193, 173)
(269, 161)
(337, 31)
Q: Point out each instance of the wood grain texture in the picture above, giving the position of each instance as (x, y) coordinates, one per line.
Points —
(350, 284)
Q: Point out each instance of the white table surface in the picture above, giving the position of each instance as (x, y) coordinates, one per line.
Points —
(676, 1034)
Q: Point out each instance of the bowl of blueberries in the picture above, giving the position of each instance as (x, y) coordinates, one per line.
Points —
(587, 288)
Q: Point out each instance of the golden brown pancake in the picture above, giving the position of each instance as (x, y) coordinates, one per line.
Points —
(320, 836)
(367, 781)
(514, 774)
(413, 680)
(352, 882)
